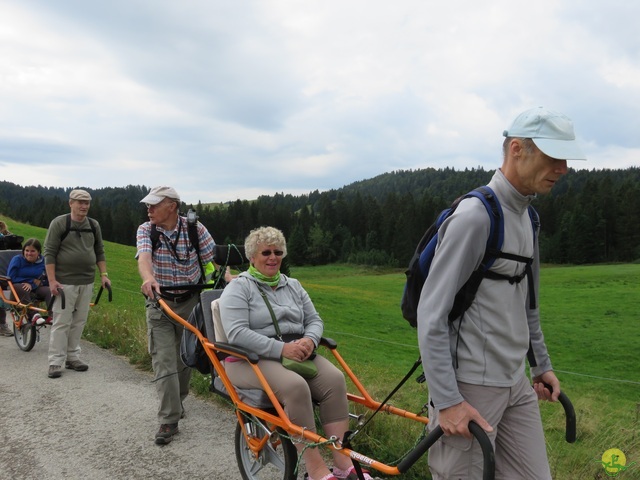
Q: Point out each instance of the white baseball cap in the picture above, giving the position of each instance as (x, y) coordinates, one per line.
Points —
(158, 194)
(552, 132)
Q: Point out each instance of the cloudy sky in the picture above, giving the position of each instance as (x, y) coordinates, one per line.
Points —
(228, 99)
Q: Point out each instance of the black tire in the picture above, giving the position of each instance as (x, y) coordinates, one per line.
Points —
(277, 460)
(25, 335)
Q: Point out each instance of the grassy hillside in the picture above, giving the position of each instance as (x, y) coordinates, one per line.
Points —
(591, 324)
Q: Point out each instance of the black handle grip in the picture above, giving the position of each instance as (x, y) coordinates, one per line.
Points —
(489, 468)
(570, 414)
(53, 299)
(108, 287)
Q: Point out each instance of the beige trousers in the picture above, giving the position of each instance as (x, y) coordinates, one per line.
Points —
(68, 323)
(328, 388)
(517, 437)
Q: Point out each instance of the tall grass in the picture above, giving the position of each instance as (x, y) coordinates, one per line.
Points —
(590, 319)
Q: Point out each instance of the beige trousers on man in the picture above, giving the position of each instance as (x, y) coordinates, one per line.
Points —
(68, 323)
(517, 437)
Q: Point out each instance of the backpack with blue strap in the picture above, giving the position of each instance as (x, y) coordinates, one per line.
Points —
(420, 263)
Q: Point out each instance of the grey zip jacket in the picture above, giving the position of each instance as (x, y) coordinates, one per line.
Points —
(247, 322)
(491, 340)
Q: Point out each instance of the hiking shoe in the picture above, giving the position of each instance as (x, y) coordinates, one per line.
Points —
(5, 331)
(166, 433)
(76, 365)
(350, 474)
(55, 371)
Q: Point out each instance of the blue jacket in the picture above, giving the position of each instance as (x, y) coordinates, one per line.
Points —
(22, 271)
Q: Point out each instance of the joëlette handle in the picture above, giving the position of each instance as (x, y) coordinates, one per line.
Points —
(489, 466)
(569, 413)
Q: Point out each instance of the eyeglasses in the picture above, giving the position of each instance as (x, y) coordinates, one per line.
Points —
(267, 253)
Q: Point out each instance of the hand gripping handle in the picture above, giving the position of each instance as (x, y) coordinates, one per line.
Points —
(570, 414)
(489, 468)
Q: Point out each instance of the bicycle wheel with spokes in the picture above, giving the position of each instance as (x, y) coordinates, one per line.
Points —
(276, 460)
(24, 333)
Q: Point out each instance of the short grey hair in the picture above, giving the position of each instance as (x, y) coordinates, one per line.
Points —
(265, 236)
(528, 145)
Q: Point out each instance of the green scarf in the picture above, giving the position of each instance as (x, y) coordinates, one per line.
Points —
(271, 281)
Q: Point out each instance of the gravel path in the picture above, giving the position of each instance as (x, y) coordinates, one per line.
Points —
(100, 424)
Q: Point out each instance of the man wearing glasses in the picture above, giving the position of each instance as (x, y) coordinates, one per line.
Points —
(72, 249)
(169, 261)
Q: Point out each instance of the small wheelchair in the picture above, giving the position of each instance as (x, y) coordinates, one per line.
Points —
(264, 434)
(26, 332)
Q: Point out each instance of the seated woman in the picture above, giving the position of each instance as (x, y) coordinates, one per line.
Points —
(27, 273)
(248, 323)
(3, 229)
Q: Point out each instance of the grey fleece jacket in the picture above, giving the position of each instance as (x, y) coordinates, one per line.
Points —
(247, 322)
(495, 331)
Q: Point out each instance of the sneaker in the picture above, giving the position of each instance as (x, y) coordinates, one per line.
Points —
(350, 474)
(55, 371)
(76, 365)
(5, 331)
(326, 477)
(166, 433)
(38, 319)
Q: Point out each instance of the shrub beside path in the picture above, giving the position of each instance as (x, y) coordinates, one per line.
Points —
(101, 423)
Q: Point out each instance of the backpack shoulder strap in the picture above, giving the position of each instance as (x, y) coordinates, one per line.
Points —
(535, 221)
(92, 225)
(192, 228)
(465, 296)
(496, 229)
(67, 228)
(154, 235)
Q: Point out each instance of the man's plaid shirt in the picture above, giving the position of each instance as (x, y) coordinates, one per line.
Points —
(177, 267)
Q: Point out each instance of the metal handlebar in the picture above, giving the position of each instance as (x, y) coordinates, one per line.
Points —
(489, 466)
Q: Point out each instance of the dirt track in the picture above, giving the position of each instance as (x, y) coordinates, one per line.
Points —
(100, 424)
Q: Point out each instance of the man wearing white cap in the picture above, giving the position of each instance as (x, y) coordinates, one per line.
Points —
(475, 364)
(171, 261)
(72, 249)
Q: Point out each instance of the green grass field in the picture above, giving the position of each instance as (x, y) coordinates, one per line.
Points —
(590, 319)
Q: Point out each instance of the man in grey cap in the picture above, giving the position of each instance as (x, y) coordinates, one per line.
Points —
(72, 249)
(167, 261)
(475, 364)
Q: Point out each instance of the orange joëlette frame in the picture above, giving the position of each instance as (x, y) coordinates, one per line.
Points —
(281, 419)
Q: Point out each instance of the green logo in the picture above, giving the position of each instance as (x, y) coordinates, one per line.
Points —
(614, 462)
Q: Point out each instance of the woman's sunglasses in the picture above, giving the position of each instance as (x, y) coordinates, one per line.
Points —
(267, 253)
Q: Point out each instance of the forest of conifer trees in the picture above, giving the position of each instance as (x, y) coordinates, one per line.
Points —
(590, 216)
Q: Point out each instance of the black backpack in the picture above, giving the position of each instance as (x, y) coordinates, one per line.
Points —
(69, 228)
(420, 263)
(192, 351)
(11, 242)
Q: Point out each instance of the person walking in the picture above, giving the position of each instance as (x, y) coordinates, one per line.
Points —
(167, 261)
(475, 365)
(72, 249)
